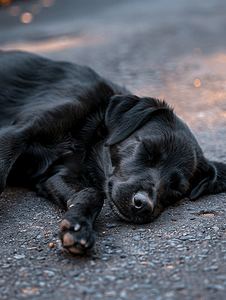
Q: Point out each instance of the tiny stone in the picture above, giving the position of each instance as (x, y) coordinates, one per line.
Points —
(215, 228)
(42, 283)
(73, 273)
(180, 287)
(49, 273)
(215, 287)
(64, 283)
(118, 251)
(19, 256)
(105, 258)
(6, 266)
(111, 225)
(214, 268)
(123, 294)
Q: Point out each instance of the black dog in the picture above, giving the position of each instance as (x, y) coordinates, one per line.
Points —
(78, 138)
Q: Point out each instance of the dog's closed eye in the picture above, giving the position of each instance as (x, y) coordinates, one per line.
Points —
(153, 155)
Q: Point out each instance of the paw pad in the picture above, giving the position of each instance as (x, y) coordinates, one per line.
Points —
(76, 234)
(76, 250)
(68, 240)
(65, 225)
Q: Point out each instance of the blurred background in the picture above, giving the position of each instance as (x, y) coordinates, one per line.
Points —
(174, 50)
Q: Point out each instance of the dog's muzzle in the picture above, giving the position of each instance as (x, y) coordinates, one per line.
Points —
(142, 204)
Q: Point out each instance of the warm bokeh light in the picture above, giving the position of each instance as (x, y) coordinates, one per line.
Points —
(197, 83)
(202, 107)
(35, 9)
(222, 58)
(47, 46)
(197, 52)
(14, 11)
(26, 18)
(5, 2)
(47, 2)
(201, 115)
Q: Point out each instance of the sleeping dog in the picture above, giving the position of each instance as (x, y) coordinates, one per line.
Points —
(77, 138)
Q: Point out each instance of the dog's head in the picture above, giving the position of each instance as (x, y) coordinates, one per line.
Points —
(156, 159)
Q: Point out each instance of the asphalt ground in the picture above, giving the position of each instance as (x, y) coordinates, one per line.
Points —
(155, 48)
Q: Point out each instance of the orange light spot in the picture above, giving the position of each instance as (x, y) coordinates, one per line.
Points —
(35, 9)
(170, 267)
(197, 52)
(14, 11)
(222, 58)
(197, 83)
(103, 232)
(26, 18)
(5, 2)
(51, 245)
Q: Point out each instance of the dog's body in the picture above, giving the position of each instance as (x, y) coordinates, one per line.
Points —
(78, 138)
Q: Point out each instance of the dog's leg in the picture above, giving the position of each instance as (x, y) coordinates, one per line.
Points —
(77, 226)
(10, 150)
(83, 203)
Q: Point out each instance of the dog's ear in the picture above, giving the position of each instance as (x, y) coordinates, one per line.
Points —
(125, 114)
(210, 179)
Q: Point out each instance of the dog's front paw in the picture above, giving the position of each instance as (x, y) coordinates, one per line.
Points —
(76, 234)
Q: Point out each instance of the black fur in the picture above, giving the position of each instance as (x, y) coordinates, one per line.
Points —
(77, 138)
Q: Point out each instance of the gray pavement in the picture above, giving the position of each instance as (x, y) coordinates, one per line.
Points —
(174, 50)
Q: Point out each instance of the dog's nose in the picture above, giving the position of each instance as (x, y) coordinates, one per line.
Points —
(142, 203)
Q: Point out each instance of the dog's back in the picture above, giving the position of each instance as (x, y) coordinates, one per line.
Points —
(29, 82)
